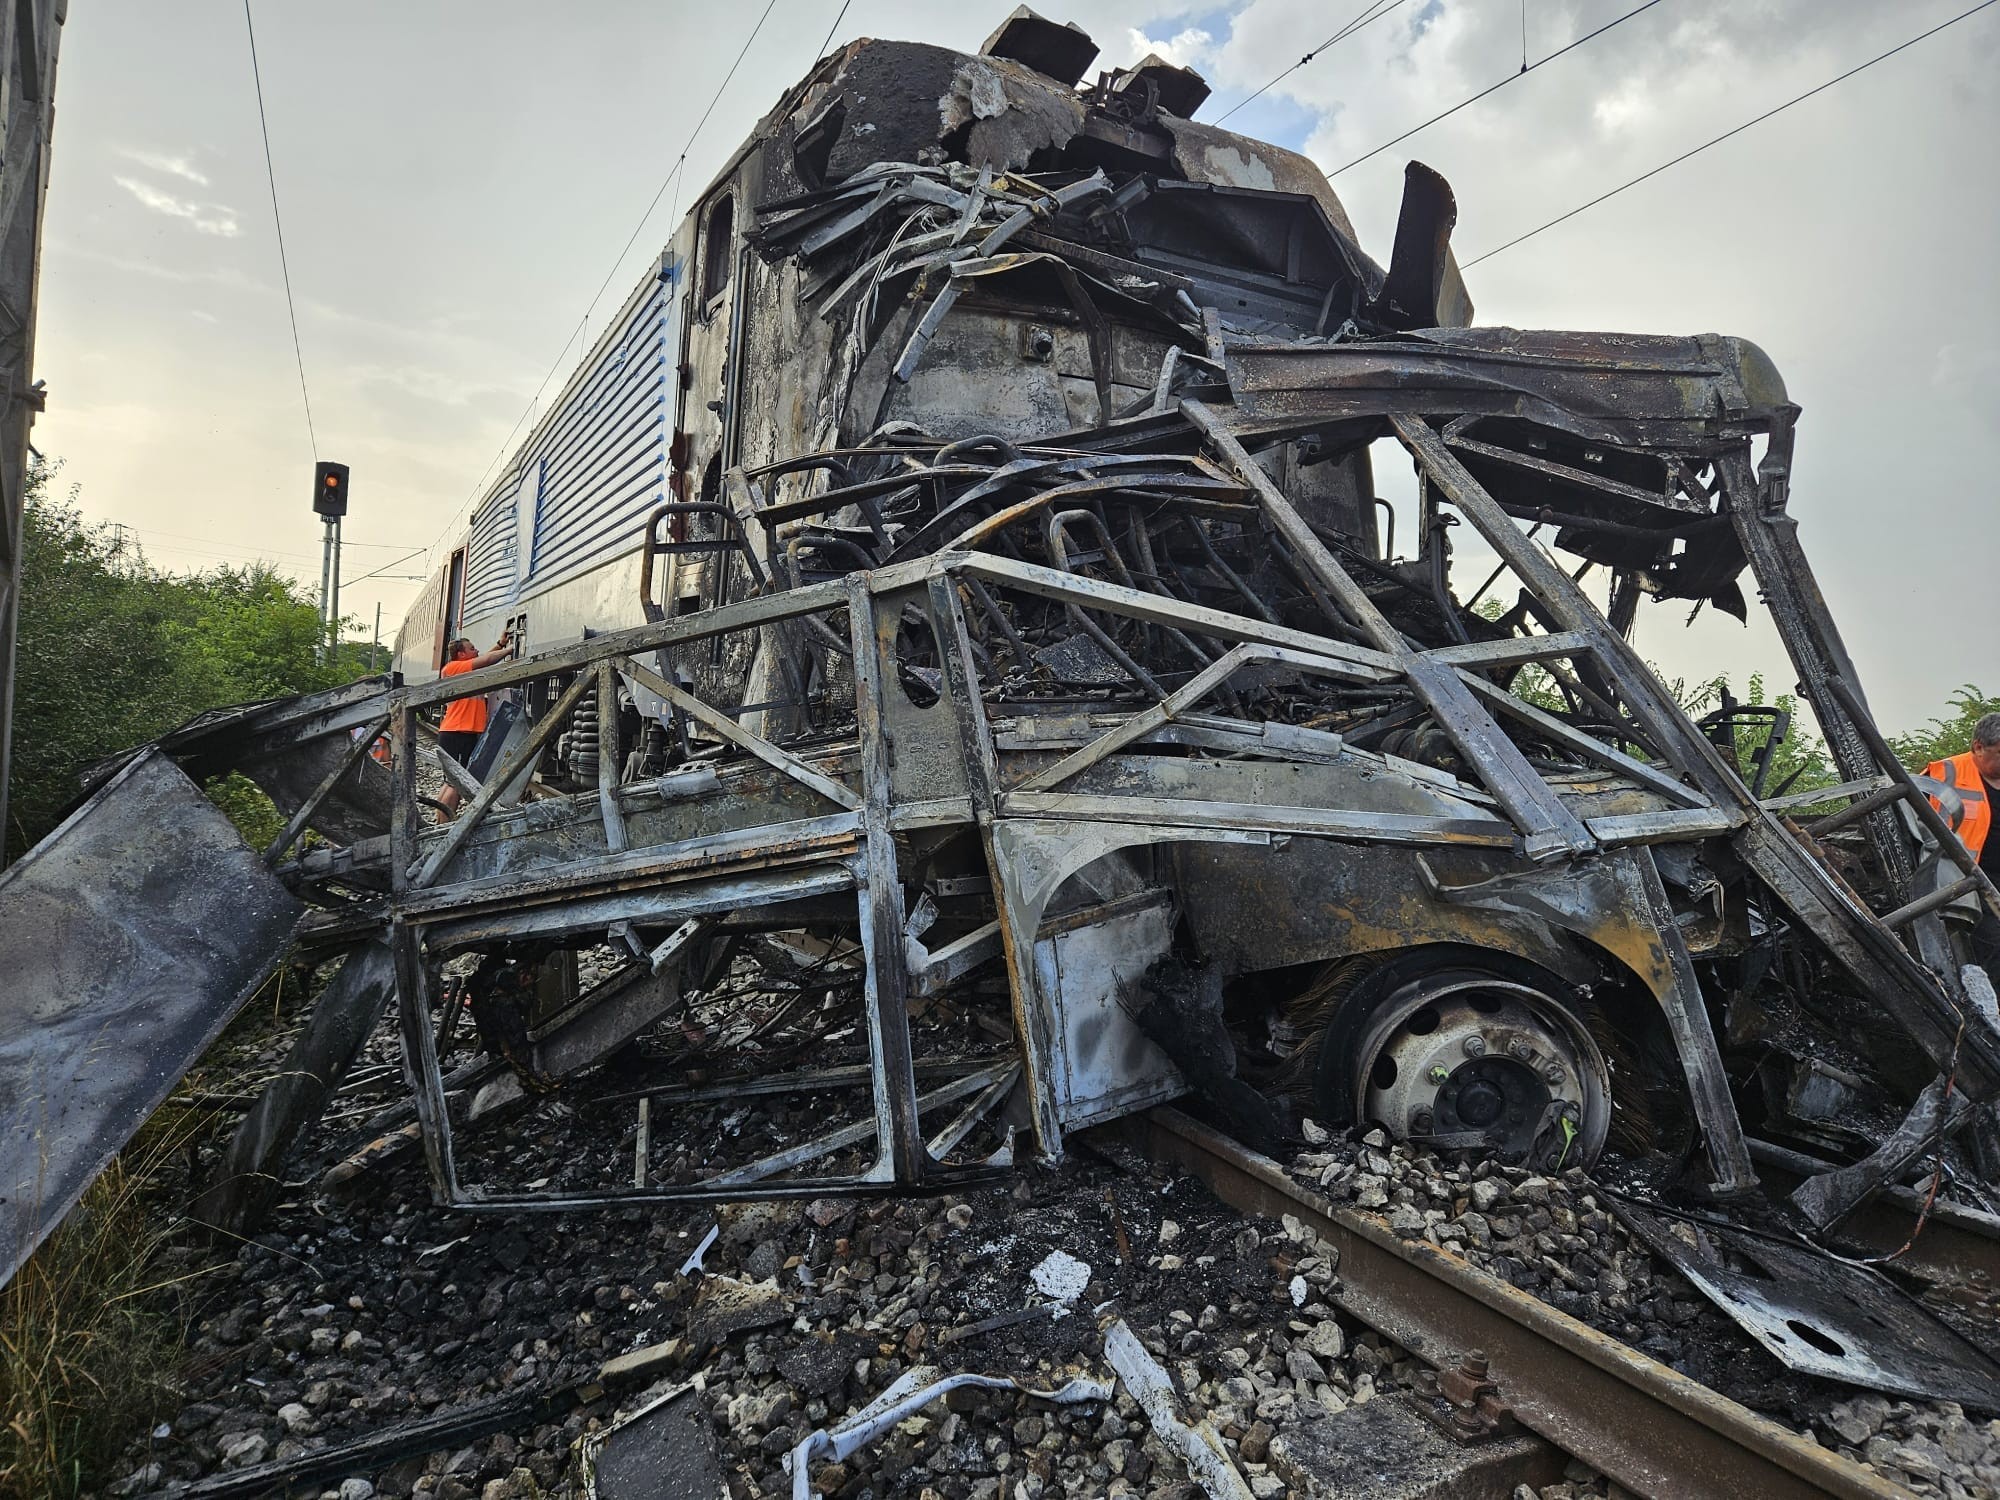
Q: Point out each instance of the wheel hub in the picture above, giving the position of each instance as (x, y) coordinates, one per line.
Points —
(1472, 1063)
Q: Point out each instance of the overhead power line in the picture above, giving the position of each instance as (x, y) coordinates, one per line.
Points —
(673, 174)
(284, 265)
(393, 562)
(834, 27)
(1526, 68)
(227, 542)
(1737, 130)
(1368, 14)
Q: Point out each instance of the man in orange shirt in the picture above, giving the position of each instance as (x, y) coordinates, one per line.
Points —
(465, 718)
(1974, 779)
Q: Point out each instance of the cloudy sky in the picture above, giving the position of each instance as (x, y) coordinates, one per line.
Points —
(456, 181)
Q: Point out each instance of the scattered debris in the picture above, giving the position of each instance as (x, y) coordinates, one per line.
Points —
(1207, 1460)
(692, 1265)
(1061, 1277)
(910, 1392)
(725, 1306)
(1571, 1242)
(429, 1434)
(1818, 1313)
(663, 1451)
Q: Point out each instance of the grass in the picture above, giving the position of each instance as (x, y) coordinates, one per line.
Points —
(93, 1327)
(88, 1340)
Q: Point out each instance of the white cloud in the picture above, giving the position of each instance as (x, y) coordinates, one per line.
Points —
(1190, 47)
(1627, 109)
(206, 218)
(158, 161)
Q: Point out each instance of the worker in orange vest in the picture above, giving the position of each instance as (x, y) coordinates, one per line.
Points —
(1974, 779)
(465, 718)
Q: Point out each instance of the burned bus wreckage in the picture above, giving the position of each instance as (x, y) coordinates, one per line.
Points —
(966, 691)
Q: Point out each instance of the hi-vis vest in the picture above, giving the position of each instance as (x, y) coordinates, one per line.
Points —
(1961, 774)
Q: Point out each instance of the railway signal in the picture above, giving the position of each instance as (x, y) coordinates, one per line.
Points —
(330, 504)
(330, 489)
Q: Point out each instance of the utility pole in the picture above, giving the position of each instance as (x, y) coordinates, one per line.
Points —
(375, 645)
(330, 504)
(30, 31)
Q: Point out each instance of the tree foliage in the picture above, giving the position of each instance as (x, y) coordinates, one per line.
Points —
(112, 652)
(1948, 735)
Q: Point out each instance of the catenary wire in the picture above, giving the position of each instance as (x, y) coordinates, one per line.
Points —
(1737, 130)
(284, 266)
(836, 26)
(394, 562)
(188, 536)
(1526, 69)
(1374, 11)
(244, 557)
(673, 175)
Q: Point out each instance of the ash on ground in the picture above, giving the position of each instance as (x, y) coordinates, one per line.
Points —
(364, 1306)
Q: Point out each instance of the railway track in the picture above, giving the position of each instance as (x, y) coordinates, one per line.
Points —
(1650, 1428)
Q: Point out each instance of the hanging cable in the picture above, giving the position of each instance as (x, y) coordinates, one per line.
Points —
(1737, 130)
(1526, 68)
(672, 176)
(1374, 11)
(284, 266)
(836, 26)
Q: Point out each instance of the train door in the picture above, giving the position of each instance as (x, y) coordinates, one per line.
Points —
(454, 599)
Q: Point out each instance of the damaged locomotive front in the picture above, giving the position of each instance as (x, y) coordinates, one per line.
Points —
(971, 688)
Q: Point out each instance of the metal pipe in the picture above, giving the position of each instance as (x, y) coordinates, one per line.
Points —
(333, 611)
(1874, 802)
(1944, 895)
(325, 581)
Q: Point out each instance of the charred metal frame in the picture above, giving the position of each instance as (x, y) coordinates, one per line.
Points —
(1100, 659)
(850, 850)
(1578, 870)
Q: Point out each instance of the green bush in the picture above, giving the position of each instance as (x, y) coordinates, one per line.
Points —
(112, 652)
(1946, 736)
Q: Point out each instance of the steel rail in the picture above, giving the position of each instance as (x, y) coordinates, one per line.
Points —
(1650, 1428)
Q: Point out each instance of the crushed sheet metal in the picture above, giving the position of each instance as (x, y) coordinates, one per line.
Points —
(1208, 1463)
(911, 1391)
(1821, 1315)
(663, 1451)
(129, 937)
